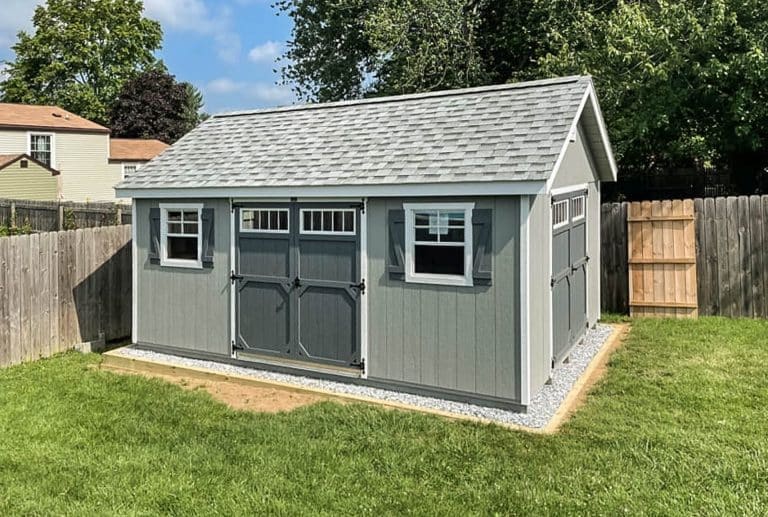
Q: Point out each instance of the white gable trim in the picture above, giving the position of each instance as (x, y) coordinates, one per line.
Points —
(589, 94)
(484, 188)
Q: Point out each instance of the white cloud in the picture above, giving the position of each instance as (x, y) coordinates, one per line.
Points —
(195, 16)
(257, 92)
(267, 52)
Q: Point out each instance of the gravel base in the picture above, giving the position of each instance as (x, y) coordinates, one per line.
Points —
(540, 411)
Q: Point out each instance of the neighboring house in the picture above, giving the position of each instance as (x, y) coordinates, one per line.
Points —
(444, 243)
(126, 155)
(23, 177)
(72, 145)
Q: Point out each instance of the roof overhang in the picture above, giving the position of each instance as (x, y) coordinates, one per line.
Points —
(590, 116)
(478, 188)
(54, 129)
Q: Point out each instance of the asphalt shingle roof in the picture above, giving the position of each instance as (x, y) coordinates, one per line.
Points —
(498, 133)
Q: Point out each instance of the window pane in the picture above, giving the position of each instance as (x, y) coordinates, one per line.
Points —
(338, 222)
(456, 219)
(423, 234)
(349, 221)
(317, 221)
(327, 221)
(184, 248)
(273, 219)
(190, 216)
(174, 216)
(283, 220)
(307, 221)
(422, 218)
(452, 235)
(174, 227)
(247, 216)
(439, 260)
(263, 220)
(190, 228)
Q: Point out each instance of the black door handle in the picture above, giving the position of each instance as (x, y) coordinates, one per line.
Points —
(297, 282)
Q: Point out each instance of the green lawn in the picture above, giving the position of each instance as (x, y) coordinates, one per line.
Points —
(679, 425)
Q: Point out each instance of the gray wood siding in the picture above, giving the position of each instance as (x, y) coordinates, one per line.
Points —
(184, 308)
(540, 272)
(457, 338)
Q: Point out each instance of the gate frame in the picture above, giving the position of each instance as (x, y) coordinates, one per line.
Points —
(557, 192)
(363, 258)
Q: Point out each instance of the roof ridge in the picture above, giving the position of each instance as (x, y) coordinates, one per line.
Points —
(410, 96)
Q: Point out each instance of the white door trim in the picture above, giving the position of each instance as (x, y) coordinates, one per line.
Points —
(525, 301)
(134, 275)
(232, 289)
(364, 296)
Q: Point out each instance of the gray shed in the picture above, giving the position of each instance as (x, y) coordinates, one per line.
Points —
(444, 243)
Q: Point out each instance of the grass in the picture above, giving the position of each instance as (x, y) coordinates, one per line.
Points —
(677, 426)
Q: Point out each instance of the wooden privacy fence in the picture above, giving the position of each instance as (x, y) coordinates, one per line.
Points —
(662, 259)
(51, 216)
(731, 250)
(59, 289)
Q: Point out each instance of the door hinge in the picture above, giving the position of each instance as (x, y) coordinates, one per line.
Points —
(233, 276)
(359, 364)
(360, 286)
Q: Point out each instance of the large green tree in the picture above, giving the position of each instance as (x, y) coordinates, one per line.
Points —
(80, 53)
(154, 105)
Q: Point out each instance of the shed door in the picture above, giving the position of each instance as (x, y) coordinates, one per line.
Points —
(569, 271)
(298, 281)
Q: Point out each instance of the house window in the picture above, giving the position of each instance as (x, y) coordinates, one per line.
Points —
(438, 240)
(577, 207)
(41, 147)
(559, 214)
(264, 220)
(328, 221)
(181, 235)
(129, 169)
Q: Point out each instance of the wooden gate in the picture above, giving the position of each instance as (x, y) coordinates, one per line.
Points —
(662, 259)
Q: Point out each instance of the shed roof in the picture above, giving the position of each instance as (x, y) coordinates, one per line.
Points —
(511, 132)
(27, 116)
(135, 149)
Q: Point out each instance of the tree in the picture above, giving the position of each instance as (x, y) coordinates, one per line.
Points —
(80, 54)
(682, 84)
(154, 105)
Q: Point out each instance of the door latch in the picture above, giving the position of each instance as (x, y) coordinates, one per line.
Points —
(360, 286)
(297, 282)
(234, 276)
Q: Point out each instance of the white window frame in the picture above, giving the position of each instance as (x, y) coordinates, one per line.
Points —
(567, 220)
(30, 134)
(583, 208)
(410, 233)
(304, 231)
(264, 209)
(188, 207)
(122, 168)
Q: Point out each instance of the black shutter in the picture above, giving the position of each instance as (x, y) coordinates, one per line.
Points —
(208, 240)
(154, 236)
(482, 245)
(396, 255)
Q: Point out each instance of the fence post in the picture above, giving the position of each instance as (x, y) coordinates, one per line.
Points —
(61, 217)
(119, 215)
(13, 214)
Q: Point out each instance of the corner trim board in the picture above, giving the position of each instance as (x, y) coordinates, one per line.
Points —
(525, 302)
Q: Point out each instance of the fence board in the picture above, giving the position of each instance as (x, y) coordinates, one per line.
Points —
(59, 289)
(49, 216)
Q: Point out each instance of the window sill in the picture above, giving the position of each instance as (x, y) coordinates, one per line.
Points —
(187, 264)
(450, 280)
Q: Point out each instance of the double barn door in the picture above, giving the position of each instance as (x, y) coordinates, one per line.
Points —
(298, 282)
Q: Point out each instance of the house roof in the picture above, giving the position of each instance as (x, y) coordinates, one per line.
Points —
(10, 159)
(135, 149)
(27, 116)
(510, 133)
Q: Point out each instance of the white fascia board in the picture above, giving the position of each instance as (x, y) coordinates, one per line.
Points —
(483, 188)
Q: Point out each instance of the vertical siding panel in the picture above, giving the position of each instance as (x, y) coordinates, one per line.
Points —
(465, 340)
(446, 337)
(506, 293)
(394, 324)
(429, 336)
(377, 242)
(412, 334)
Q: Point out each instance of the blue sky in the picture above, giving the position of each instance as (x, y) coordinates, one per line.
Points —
(227, 48)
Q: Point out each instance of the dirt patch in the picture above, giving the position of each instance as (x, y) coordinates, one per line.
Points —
(240, 396)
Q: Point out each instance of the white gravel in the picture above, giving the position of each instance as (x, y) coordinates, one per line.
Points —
(540, 411)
